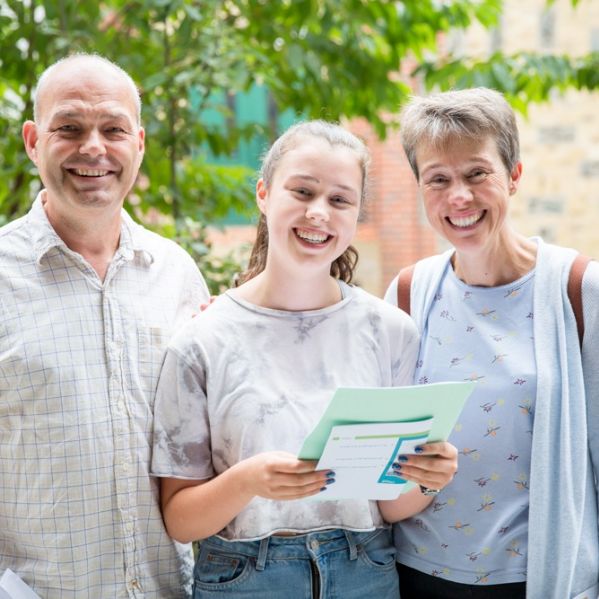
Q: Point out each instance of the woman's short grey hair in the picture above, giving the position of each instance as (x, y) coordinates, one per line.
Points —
(334, 134)
(443, 118)
(91, 59)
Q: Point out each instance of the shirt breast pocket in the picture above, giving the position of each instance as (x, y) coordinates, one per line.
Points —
(151, 348)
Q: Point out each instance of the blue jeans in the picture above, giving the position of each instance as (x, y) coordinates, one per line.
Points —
(334, 564)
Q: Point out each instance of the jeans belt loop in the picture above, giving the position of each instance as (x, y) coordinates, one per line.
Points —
(351, 542)
(262, 553)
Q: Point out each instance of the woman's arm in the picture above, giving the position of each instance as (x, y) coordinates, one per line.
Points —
(434, 467)
(196, 509)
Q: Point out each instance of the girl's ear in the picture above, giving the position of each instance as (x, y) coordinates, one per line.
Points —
(261, 194)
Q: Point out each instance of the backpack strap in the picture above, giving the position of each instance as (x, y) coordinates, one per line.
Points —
(404, 287)
(575, 291)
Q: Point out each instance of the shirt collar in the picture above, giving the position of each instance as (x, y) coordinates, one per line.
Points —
(45, 238)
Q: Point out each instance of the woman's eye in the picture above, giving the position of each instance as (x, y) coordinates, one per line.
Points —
(438, 181)
(477, 175)
(302, 192)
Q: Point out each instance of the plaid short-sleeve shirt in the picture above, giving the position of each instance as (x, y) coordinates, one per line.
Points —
(79, 363)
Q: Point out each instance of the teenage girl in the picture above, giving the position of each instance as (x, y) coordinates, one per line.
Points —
(247, 380)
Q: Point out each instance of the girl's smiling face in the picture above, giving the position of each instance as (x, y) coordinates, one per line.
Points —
(311, 205)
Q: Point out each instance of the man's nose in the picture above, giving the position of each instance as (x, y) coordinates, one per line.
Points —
(93, 144)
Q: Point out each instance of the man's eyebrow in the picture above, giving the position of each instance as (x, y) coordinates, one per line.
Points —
(107, 116)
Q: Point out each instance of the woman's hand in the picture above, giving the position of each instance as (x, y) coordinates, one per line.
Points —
(433, 465)
(280, 475)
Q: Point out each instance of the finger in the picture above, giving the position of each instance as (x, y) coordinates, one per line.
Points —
(290, 464)
(428, 479)
(308, 492)
(301, 480)
(297, 492)
(420, 465)
(441, 448)
(434, 478)
(433, 464)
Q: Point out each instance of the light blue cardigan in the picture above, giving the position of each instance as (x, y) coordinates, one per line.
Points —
(563, 541)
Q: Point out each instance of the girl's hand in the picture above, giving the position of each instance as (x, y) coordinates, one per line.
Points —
(280, 475)
(434, 466)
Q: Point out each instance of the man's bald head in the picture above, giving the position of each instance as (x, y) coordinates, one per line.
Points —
(81, 61)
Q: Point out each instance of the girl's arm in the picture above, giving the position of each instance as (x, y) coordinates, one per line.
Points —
(196, 509)
(434, 467)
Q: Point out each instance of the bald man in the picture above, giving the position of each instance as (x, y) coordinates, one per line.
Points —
(88, 300)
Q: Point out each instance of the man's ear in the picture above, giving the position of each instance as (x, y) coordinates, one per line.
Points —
(141, 145)
(30, 138)
(261, 195)
(142, 139)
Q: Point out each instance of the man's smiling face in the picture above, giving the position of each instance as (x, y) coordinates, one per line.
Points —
(87, 142)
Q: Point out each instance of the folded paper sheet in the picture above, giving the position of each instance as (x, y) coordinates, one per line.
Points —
(362, 457)
(439, 402)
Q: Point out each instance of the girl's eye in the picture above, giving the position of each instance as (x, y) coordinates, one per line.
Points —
(302, 192)
(339, 200)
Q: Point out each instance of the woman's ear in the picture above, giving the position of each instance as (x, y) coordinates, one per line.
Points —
(261, 195)
(515, 177)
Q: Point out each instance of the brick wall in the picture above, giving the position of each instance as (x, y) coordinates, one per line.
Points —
(393, 221)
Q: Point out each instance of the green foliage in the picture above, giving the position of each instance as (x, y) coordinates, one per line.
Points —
(318, 58)
(523, 77)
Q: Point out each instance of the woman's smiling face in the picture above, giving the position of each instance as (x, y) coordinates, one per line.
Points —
(466, 189)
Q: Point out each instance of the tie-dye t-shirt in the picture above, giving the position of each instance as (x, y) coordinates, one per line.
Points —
(242, 379)
(475, 531)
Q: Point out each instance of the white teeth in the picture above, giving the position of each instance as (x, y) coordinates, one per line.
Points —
(89, 173)
(466, 221)
(311, 236)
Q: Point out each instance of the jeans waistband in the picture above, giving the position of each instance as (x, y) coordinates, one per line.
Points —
(304, 546)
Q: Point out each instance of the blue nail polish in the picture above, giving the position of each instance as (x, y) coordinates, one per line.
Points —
(330, 474)
(396, 464)
(330, 481)
(418, 449)
(323, 489)
(403, 458)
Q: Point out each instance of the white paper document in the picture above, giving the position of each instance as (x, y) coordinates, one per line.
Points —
(12, 587)
(362, 455)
